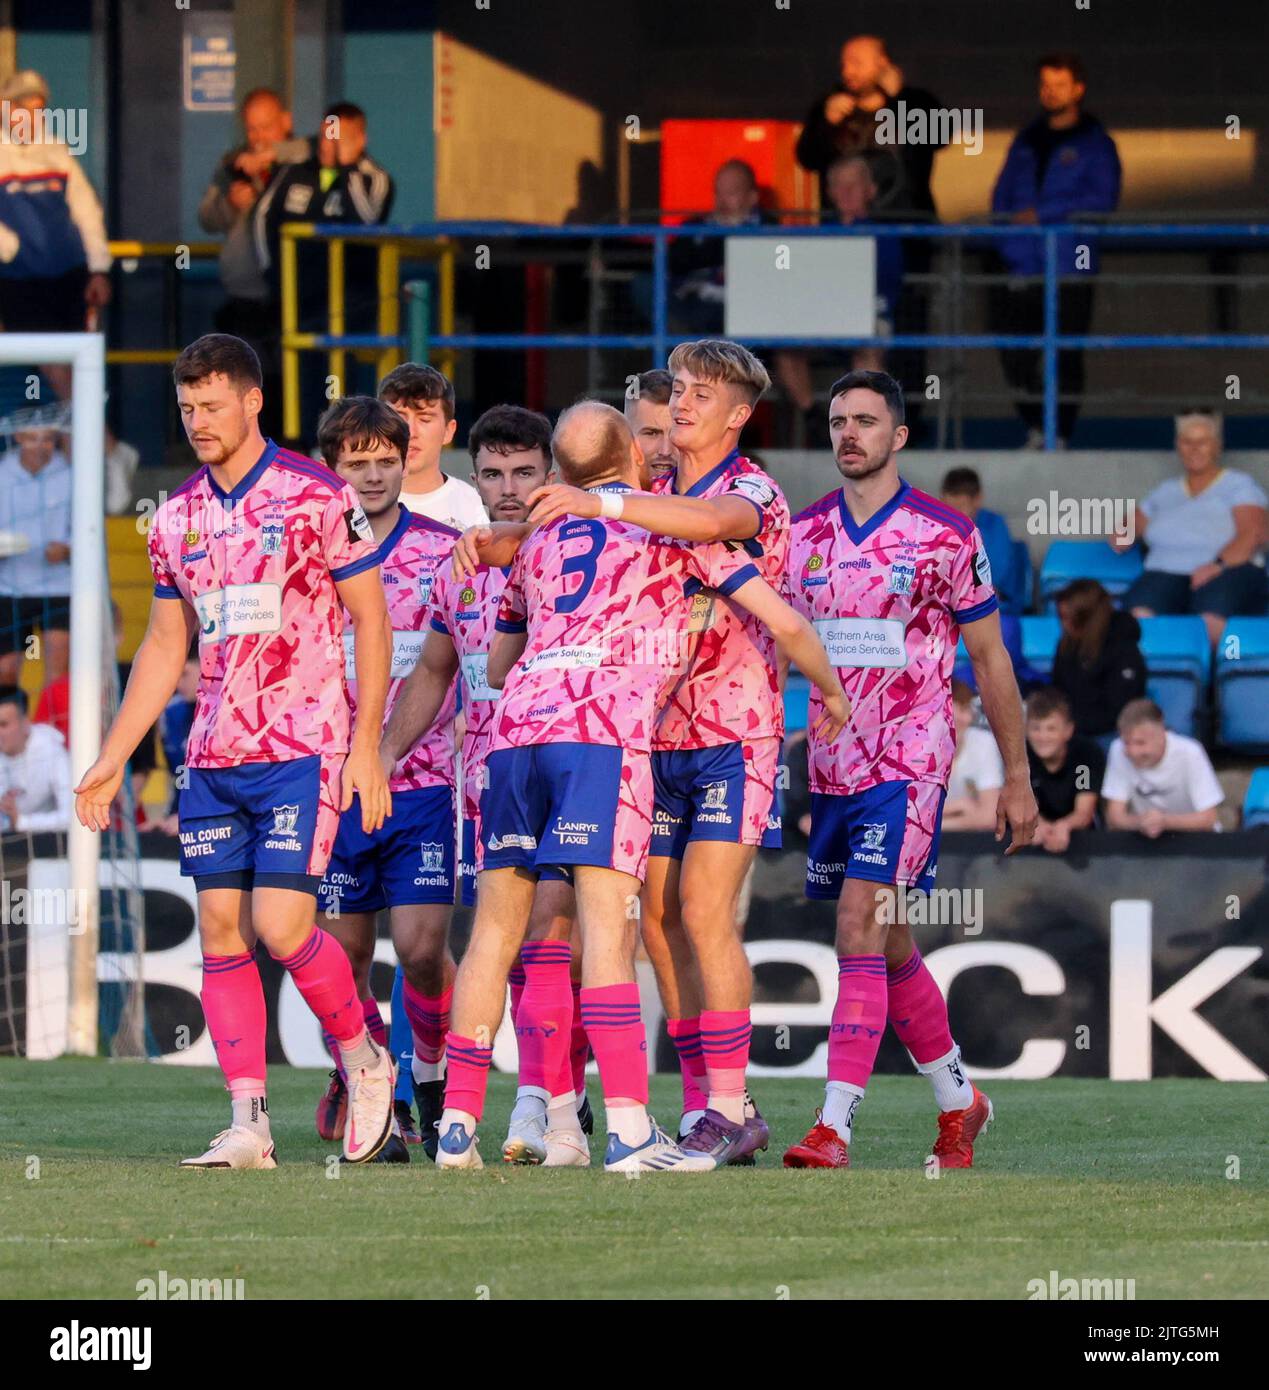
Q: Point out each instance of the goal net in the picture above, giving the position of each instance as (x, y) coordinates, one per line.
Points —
(72, 926)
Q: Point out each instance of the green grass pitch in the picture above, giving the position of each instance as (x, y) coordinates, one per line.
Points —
(1090, 1178)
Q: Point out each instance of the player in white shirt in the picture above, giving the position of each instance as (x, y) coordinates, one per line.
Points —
(1157, 780)
(35, 792)
(424, 399)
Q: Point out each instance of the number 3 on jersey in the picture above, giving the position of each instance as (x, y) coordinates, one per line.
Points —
(583, 564)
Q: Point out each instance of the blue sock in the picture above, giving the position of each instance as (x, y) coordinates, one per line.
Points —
(401, 1040)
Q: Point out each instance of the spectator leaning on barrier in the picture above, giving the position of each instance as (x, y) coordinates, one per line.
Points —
(35, 576)
(1157, 780)
(35, 793)
(54, 256)
(1059, 168)
(1205, 533)
(962, 488)
(978, 772)
(647, 412)
(1098, 664)
(1066, 770)
(697, 286)
(845, 122)
(852, 193)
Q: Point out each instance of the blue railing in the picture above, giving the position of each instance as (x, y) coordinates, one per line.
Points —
(1049, 341)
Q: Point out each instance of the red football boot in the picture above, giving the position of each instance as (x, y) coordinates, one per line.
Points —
(954, 1148)
(823, 1147)
(332, 1110)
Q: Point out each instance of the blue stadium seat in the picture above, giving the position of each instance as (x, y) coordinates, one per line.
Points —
(1040, 636)
(797, 701)
(1256, 802)
(1178, 665)
(1242, 685)
(1026, 572)
(1067, 560)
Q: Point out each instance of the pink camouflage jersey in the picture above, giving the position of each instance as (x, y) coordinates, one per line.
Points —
(465, 611)
(411, 558)
(608, 614)
(886, 599)
(731, 691)
(259, 566)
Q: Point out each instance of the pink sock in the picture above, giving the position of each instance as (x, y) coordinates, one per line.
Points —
(331, 1046)
(325, 981)
(918, 1011)
(859, 1017)
(429, 1022)
(579, 1045)
(233, 1005)
(615, 1027)
(515, 979)
(374, 1020)
(544, 1021)
(686, 1036)
(725, 1038)
(467, 1074)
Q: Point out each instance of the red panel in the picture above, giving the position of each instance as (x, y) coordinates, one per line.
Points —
(691, 152)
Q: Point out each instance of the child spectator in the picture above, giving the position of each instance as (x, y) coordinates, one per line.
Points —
(1157, 780)
(1098, 665)
(1066, 770)
(977, 770)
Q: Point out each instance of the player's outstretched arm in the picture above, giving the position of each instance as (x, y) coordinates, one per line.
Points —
(420, 699)
(797, 642)
(505, 649)
(494, 544)
(362, 595)
(1016, 809)
(684, 518)
(156, 669)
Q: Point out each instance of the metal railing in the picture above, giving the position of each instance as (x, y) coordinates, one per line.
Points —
(389, 342)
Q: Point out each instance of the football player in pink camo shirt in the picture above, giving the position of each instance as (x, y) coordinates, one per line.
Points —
(717, 744)
(888, 574)
(407, 865)
(255, 553)
(511, 457)
(596, 621)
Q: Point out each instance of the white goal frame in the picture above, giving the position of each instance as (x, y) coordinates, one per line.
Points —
(85, 353)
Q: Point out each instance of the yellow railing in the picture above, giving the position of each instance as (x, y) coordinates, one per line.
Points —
(386, 346)
(166, 250)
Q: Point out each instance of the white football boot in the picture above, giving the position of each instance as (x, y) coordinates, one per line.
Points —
(526, 1139)
(370, 1095)
(236, 1147)
(566, 1148)
(458, 1149)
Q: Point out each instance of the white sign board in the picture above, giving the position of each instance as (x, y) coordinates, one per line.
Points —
(801, 287)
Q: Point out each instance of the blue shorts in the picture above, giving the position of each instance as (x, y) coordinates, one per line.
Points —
(408, 860)
(885, 834)
(566, 803)
(724, 793)
(265, 825)
(467, 869)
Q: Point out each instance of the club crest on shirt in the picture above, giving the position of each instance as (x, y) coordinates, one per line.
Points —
(902, 577)
(271, 536)
(425, 587)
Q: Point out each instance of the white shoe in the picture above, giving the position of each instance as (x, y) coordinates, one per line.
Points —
(526, 1139)
(687, 1122)
(657, 1154)
(566, 1148)
(458, 1149)
(370, 1096)
(236, 1147)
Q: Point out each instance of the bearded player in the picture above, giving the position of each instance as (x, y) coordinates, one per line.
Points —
(717, 743)
(407, 865)
(511, 457)
(888, 574)
(593, 618)
(261, 552)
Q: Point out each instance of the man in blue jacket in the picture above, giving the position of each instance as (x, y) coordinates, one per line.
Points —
(1059, 168)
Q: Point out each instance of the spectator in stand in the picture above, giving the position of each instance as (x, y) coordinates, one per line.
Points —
(1098, 665)
(845, 122)
(647, 411)
(35, 789)
(978, 773)
(962, 488)
(35, 582)
(1157, 780)
(696, 263)
(1206, 533)
(852, 192)
(242, 174)
(1066, 770)
(424, 398)
(1059, 168)
(54, 257)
